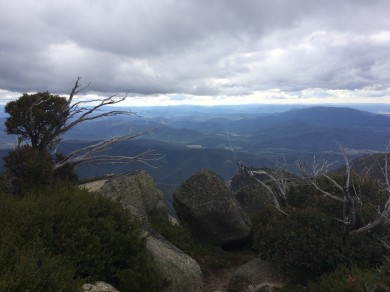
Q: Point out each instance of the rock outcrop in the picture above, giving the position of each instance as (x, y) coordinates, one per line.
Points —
(99, 287)
(252, 198)
(254, 276)
(180, 270)
(210, 210)
(136, 191)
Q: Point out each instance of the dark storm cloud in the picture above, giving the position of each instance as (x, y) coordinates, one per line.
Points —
(194, 47)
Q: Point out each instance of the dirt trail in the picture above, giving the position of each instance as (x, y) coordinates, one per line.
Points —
(218, 280)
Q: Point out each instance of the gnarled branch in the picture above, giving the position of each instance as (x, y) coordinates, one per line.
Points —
(278, 179)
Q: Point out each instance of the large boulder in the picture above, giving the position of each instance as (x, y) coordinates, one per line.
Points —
(255, 276)
(209, 209)
(252, 198)
(99, 287)
(181, 272)
(136, 191)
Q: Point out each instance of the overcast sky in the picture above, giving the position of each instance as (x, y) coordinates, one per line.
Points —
(199, 51)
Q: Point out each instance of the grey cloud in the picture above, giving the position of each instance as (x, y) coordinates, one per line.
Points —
(194, 47)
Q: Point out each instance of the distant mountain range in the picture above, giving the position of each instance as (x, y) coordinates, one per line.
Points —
(218, 137)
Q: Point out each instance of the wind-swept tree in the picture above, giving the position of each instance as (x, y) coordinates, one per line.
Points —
(35, 118)
(40, 120)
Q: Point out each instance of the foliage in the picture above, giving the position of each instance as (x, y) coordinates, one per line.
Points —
(349, 279)
(303, 243)
(65, 172)
(28, 167)
(76, 235)
(31, 267)
(5, 183)
(42, 119)
(178, 235)
(34, 116)
(308, 242)
(211, 257)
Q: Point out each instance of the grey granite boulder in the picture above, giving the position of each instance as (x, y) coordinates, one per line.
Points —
(252, 198)
(255, 276)
(136, 191)
(99, 287)
(180, 271)
(210, 210)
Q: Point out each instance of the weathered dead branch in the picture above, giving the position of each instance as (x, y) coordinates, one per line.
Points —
(73, 113)
(347, 191)
(277, 179)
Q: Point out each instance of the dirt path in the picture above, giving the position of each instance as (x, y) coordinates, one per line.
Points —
(218, 280)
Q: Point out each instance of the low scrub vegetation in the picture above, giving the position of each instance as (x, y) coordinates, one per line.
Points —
(57, 237)
(307, 241)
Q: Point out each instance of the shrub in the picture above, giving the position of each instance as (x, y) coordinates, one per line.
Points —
(78, 235)
(66, 172)
(349, 279)
(29, 167)
(179, 236)
(308, 243)
(5, 183)
(33, 268)
(210, 257)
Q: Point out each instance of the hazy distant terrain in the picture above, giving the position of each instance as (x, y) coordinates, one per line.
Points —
(192, 138)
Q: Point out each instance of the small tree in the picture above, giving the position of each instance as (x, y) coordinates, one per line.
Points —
(35, 117)
(40, 120)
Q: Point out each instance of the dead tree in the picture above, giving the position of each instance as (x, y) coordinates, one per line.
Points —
(383, 215)
(275, 185)
(44, 121)
(347, 192)
(75, 113)
(89, 155)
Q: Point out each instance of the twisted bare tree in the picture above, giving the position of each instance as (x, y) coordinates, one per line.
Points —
(275, 184)
(347, 194)
(40, 120)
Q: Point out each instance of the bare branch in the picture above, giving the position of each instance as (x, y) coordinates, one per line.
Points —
(279, 181)
(320, 169)
(86, 156)
(384, 215)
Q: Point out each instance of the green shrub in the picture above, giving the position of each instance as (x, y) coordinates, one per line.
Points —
(5, 184)
(302, 243)
(349, 279)
(210, 257)
(308, 243)
(65, 172)
(90, 236)
(179, 236)
(29, 167)
(33, 268)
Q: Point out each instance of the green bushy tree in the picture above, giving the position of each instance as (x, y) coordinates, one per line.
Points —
(35, 118)
(40, 120)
